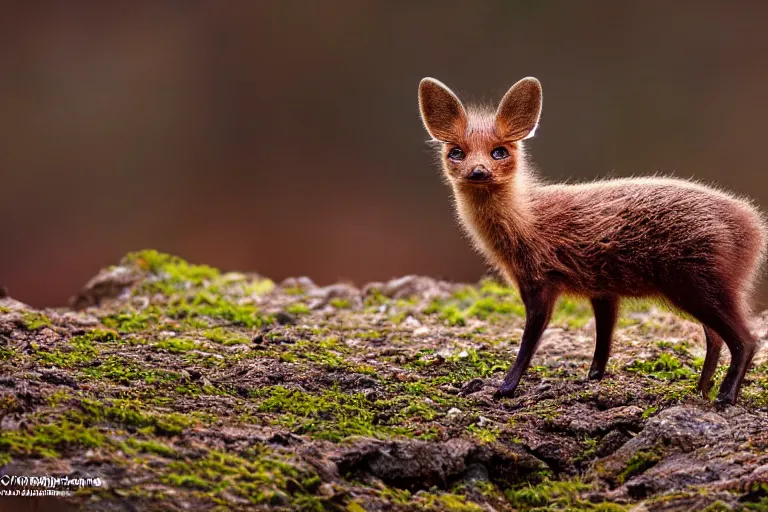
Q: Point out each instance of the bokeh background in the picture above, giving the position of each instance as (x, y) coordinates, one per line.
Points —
(284, 137)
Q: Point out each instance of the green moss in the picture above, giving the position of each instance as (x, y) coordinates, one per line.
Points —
(756, 394)
(58, 397)
(461, 366)
(49, 440)
(638, 463)
(371, 335)
(332, 415)
(637, 305)
(344, 414)
(196, 294)
(124, 371)
(443, 502)
(492, 287)
(298, 308)
(492, 301)
(261, 478)
(34, 320)
(756, 497)
(397, 496)
(339, 303)
(225, 337)
(485, 303)
(259, 287)
(328, 353)
(453, 316)
(8, 353)
(650, 411)
(665, 367)
(398, 318)
(483, 434)
(556, 495)
(216, 307)
(294, 290)
(406, 409)
(9, 404)
(572, 313)
(354, 506)
(176, 345)
(78, 352)
(455, 503)
(374, 298)
(681, 348)
(131, 321)
(132, 413)
(174, 272)
(719, 506)
(103, 336)
(132, 446)
(484, 307)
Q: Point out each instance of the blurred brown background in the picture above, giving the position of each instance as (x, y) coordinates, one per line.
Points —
(284, 138)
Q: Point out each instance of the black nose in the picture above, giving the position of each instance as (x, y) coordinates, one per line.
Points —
(479, 174)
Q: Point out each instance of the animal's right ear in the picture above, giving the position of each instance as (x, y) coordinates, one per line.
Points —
(443, 114)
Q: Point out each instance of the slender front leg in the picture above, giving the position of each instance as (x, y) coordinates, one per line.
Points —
(606, 311)
(538, 302)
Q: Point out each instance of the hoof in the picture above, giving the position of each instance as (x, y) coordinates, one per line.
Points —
(596, 375)
(503, 393)
(721, 402)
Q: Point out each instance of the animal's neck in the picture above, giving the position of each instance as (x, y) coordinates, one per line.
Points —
(498, 217)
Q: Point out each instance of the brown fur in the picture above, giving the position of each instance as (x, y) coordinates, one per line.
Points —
(698, 248)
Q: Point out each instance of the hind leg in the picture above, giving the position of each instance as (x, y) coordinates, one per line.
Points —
(722, 314)
(606, 310)
(742, 346)
(714, 345)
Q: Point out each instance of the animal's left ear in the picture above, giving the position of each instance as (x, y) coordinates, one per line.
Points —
(518, 114)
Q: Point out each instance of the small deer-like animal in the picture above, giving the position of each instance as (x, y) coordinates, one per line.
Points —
(696, 248)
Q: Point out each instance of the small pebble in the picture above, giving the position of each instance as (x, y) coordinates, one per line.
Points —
(411, 322)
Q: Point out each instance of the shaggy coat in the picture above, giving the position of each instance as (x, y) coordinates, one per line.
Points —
(697, 248)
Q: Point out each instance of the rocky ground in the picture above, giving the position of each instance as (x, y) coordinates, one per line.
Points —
(184, 388)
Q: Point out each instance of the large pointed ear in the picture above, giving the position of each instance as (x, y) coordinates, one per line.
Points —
(519, 110)
(443, 114)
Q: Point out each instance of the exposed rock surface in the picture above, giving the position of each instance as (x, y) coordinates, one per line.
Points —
(184, 388)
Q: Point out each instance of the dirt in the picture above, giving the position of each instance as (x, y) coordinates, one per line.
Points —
(185, 388)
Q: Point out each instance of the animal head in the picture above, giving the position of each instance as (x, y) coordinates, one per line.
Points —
(478, 147)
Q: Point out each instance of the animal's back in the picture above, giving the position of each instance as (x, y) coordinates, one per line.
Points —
(646, 236)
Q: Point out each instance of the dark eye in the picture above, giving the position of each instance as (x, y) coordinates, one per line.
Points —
(456, 154)
(499, 153)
